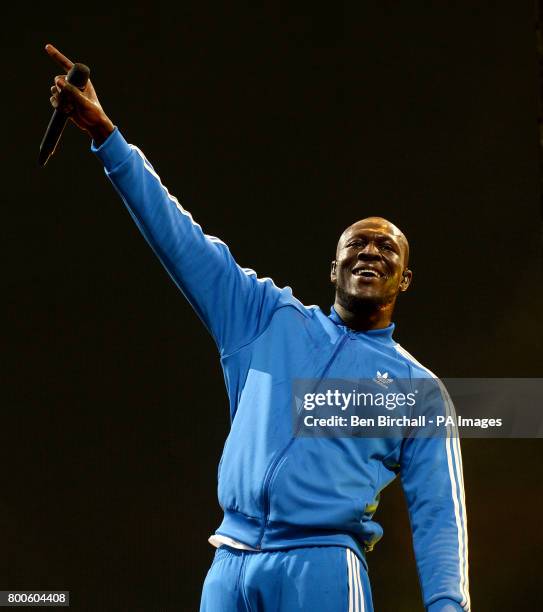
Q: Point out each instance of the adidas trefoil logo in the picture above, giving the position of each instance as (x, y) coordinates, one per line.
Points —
(383, 379)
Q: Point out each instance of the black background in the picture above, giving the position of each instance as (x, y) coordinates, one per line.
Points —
(277, 125)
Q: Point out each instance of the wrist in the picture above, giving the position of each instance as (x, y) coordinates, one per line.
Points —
(101, 130)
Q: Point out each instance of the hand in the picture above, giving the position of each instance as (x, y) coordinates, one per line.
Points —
(82, 106)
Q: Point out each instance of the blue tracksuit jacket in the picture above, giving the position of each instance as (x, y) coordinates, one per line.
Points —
(277, 490)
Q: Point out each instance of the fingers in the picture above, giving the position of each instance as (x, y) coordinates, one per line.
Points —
(60, 79)
(65, 96)
(67, 89)
(55, 91)
(55, 54)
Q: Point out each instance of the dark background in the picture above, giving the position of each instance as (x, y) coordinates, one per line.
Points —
(277, 125)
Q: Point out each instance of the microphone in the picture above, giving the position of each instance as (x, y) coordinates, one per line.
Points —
(77, 76)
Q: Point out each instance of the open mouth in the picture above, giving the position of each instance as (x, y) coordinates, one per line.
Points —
(367, 273)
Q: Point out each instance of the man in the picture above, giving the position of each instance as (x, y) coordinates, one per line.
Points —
(298, 511)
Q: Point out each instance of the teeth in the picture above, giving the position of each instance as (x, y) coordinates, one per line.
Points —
(362, 271)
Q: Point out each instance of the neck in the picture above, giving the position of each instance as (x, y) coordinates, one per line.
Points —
(363, 316)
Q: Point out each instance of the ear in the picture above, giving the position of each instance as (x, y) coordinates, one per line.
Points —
(407, 277)
(333, 276)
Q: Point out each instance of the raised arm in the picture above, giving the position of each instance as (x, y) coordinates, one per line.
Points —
(233, 303)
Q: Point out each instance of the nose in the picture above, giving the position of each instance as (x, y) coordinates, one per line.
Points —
(370, 251)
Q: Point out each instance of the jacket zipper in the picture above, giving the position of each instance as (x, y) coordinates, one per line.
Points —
(279, 456)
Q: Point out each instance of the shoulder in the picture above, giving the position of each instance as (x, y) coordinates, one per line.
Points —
(419, 370)
(426, 380)
(286, 299)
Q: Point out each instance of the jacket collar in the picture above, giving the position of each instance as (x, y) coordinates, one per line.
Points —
(383, 335)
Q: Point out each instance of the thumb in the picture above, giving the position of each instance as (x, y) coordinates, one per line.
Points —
(70, 98)
(68, 90)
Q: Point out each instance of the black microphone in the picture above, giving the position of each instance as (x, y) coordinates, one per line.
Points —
(78, 77)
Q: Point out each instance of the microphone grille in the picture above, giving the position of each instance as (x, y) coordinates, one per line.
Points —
(78, 75)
